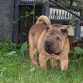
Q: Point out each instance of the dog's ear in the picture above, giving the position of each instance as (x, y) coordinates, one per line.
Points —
(64, 31)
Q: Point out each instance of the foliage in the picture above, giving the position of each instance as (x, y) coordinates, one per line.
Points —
(78, 50)
(15, 67)
(28, 14)
(76, 55)
(24, 48)
(25, 16)
(72, 22)
(7, 45)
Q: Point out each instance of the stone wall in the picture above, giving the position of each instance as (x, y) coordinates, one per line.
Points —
(6, 19)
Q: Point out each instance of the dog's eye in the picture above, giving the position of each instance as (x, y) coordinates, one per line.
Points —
(57, 38)
(47, 28)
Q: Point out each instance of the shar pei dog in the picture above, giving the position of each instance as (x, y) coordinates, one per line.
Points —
(51, 42)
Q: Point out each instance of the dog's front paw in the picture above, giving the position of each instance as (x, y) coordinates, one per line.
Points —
(35, 64)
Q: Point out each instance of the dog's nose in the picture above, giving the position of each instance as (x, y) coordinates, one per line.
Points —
(48, 46)
(48, 43)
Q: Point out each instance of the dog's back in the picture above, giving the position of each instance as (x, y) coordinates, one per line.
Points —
(35, 32)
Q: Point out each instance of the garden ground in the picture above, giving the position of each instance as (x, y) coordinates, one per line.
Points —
(15, 67)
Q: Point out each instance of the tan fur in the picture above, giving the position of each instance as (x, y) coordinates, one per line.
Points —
(43, 19)
(38, 35)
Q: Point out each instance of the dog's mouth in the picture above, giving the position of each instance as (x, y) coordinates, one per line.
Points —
(58, 53)
(49, 51)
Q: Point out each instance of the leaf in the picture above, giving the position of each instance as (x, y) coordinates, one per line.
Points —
(23, 48)
(11, 53)
(32, 69)
(78, 50)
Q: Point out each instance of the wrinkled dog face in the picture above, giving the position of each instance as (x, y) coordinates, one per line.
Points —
(54, 39)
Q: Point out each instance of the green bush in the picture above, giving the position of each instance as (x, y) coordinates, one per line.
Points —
(7, 46)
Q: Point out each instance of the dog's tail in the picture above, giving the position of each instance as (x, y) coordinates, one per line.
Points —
(44, 19)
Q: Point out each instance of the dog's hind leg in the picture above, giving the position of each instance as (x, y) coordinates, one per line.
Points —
(32, 51)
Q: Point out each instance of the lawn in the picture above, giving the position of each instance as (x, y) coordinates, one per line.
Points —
(15, 67)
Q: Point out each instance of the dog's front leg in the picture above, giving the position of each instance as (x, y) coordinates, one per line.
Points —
(64, 63)
(42, 61)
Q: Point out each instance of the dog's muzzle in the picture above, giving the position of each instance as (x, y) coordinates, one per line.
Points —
(48, 48)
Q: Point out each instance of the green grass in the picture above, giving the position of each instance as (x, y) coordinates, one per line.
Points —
(15, 67)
